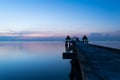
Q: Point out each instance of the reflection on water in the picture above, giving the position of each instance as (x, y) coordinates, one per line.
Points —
(33, 61)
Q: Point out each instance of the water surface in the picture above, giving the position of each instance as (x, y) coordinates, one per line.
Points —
(33, 61)
(112, 44)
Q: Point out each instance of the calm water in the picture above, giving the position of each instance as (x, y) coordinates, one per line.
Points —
(33, 61)
(112, 44)
(37, 61)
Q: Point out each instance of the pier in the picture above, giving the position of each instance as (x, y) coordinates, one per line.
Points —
(92, 62)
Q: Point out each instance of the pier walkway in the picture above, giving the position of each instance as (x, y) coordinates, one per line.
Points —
(98, 63)
(92, 62)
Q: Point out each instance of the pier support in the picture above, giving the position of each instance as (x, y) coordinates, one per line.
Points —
(75, 67)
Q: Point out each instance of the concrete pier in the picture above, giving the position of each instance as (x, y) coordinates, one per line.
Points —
(94, 62)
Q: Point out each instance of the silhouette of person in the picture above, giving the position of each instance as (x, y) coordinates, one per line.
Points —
(85, 39)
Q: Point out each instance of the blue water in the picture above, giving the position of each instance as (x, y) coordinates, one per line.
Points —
(112, 44)
(33, 61)
(37, 60)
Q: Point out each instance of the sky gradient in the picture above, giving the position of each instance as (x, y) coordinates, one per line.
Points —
(58, 17)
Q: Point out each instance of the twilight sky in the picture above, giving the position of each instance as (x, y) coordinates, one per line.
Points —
(58, 17)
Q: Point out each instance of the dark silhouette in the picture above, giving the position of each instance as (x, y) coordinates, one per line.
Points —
(77, 39)
(67, 43)
(68, 37)
(85, 39)
(75, 73)
(84, 58)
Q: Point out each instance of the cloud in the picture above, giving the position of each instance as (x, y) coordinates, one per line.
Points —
(27, 33)
(117, 33)
(47, 35)
(8, 33)
(105, 36)
(29, 36)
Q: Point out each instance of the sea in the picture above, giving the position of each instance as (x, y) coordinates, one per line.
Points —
(111, 44)
(37, 60)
